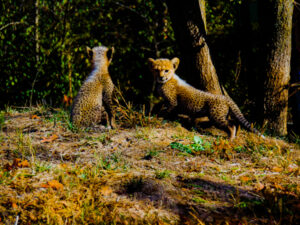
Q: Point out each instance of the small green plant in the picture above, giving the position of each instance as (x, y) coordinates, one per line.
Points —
(150, 154)
(199, 200)
(240, 149)
(25, 147)
(103, 138)
(2, 119)
(62, 117)
(248, 204)
(295, 138)
(162, 174)
(41, 167)
(111, 162)
(224, 177)
(198, 146)
(4, 175)
(105, 164)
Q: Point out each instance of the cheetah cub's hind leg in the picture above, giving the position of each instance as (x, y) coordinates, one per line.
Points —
(232, 132)
(219, 116)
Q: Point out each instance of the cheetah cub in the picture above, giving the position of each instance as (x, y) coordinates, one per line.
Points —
(97, 88)
(181, 97)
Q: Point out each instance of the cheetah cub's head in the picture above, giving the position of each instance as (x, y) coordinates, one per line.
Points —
(101, 55)
(163, 69)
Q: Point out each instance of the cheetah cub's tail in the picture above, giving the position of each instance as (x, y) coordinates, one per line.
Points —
(240, 117)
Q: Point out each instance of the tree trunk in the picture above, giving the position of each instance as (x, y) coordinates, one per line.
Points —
(295, 73)
(189, 24)
(278, 66)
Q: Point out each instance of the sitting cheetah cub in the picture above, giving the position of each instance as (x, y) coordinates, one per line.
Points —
(97, 88)
(183, 98)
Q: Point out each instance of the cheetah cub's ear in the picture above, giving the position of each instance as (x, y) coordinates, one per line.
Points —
(151, 62)
(175, 61)
(89, 52)
(110, 52)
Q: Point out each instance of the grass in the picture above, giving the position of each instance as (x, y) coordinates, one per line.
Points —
(151, 154)
(162, 174)
(145, 172)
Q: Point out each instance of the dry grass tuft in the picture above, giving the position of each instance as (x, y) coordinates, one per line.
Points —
(144, 172)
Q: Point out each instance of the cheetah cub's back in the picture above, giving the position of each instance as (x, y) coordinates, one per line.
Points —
(181, 97)
(95, 90)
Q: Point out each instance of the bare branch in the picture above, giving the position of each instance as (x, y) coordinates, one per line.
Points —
(295, 84)
(294, 92)
(10, 24)
(132, 10)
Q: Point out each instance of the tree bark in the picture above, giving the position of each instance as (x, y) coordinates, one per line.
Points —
(189, 24)
(278, 66)
(295, 73)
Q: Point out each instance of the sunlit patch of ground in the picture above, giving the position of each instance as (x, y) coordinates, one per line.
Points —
(158, 173)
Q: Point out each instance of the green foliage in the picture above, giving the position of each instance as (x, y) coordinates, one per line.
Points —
(198, 146)
(162, 174)
(2, 119)
(137, 29)
(199, 200)
(150, 154)
(65, 29)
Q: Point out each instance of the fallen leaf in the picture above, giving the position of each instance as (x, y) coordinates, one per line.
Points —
(44, 185)
(24, 163)
(53, 184)
(8, 167)
(106, 190)
(292, 168)
(278, 186)
(16, 162)
(277, 169)
(244, 178)
(259, 186)
(67, 100)
(14, 205)
(35, 117)
(49, 139)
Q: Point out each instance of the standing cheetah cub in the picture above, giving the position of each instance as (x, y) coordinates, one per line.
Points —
(97, 88)
(183, 98)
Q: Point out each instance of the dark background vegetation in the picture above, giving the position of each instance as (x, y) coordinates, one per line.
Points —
(138, 29)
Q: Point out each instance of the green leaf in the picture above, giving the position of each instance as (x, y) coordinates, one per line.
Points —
(198, 140)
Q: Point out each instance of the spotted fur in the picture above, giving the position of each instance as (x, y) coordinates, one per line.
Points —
(183, 98)
(96, 89)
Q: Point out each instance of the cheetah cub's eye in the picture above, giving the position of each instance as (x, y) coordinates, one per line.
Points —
(166, 71)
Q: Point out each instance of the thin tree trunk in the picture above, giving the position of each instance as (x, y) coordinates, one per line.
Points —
(278, 66)
(69, 63)
(37, 33)
(37, 47)
(189, 24)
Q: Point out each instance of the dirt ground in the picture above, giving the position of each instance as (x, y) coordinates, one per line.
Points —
(147, 171)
